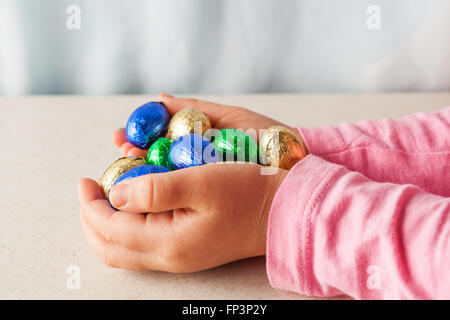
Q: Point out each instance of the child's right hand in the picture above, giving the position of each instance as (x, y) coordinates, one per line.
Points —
(221, 117)
(200, 217)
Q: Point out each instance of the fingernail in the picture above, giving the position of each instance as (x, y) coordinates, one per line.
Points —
(166, 95)
(118, 195)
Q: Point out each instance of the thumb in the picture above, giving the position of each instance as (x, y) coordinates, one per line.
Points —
(156, 192)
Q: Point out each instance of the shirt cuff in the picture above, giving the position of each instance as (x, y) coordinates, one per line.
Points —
(288, 259)
(322, 141)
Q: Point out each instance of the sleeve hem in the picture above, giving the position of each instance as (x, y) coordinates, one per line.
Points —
(289, 265)
(322, 140)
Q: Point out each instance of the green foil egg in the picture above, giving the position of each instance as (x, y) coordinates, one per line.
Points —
(236, 145)
(158, 154)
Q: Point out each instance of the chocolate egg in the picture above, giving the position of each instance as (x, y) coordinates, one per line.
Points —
(188, 121)
(236, 145)
(158, 154)
(140, 171)
(115, 170)
(191, 150)
(280, 147)
(147, 123)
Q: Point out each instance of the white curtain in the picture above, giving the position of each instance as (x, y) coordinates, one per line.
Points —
(223, 46)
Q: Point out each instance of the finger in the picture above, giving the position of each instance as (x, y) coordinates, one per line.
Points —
(136, 152)
(111, 254)
(119, 137)
(88, 190)
(125, 229)
(156, 192)
(125, 148)
(213, 110)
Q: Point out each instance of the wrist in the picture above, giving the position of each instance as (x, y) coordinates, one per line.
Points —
(259, 247)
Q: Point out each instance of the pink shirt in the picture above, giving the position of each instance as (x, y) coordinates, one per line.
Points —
(367, 213)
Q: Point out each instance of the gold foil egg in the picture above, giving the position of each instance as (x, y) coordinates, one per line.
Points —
(115, 170)
(280, 147)
(185, 121)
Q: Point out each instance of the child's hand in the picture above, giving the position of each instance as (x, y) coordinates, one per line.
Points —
(221, 117)
(213, 214)
(208, 215)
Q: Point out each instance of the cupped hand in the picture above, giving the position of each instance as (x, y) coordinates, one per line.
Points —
(185, 220)
(221, 116)
(200, 217)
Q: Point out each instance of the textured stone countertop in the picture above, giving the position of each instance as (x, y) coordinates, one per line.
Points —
(49, 142)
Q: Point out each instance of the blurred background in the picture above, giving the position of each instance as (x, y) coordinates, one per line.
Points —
(216, 46)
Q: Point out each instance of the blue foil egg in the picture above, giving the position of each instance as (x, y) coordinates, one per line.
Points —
(192, 150)
(147, 123)
(140, 171)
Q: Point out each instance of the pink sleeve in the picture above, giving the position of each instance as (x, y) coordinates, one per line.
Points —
(414, 149)
(333, 231)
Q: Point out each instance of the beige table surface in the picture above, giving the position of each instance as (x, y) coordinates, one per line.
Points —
(48, 143)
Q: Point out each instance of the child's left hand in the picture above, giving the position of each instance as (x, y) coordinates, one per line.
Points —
(201, 217)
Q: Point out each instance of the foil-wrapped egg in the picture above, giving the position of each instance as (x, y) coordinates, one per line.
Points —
(147, 123)
(281, 148)
(115, 170)
(188, 121)
(236, 145)
(158, 154)
(191, 150)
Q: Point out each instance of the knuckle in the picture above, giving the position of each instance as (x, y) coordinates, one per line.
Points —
(148, 189)
(112, 237)
(193, 102)
(108, 232)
